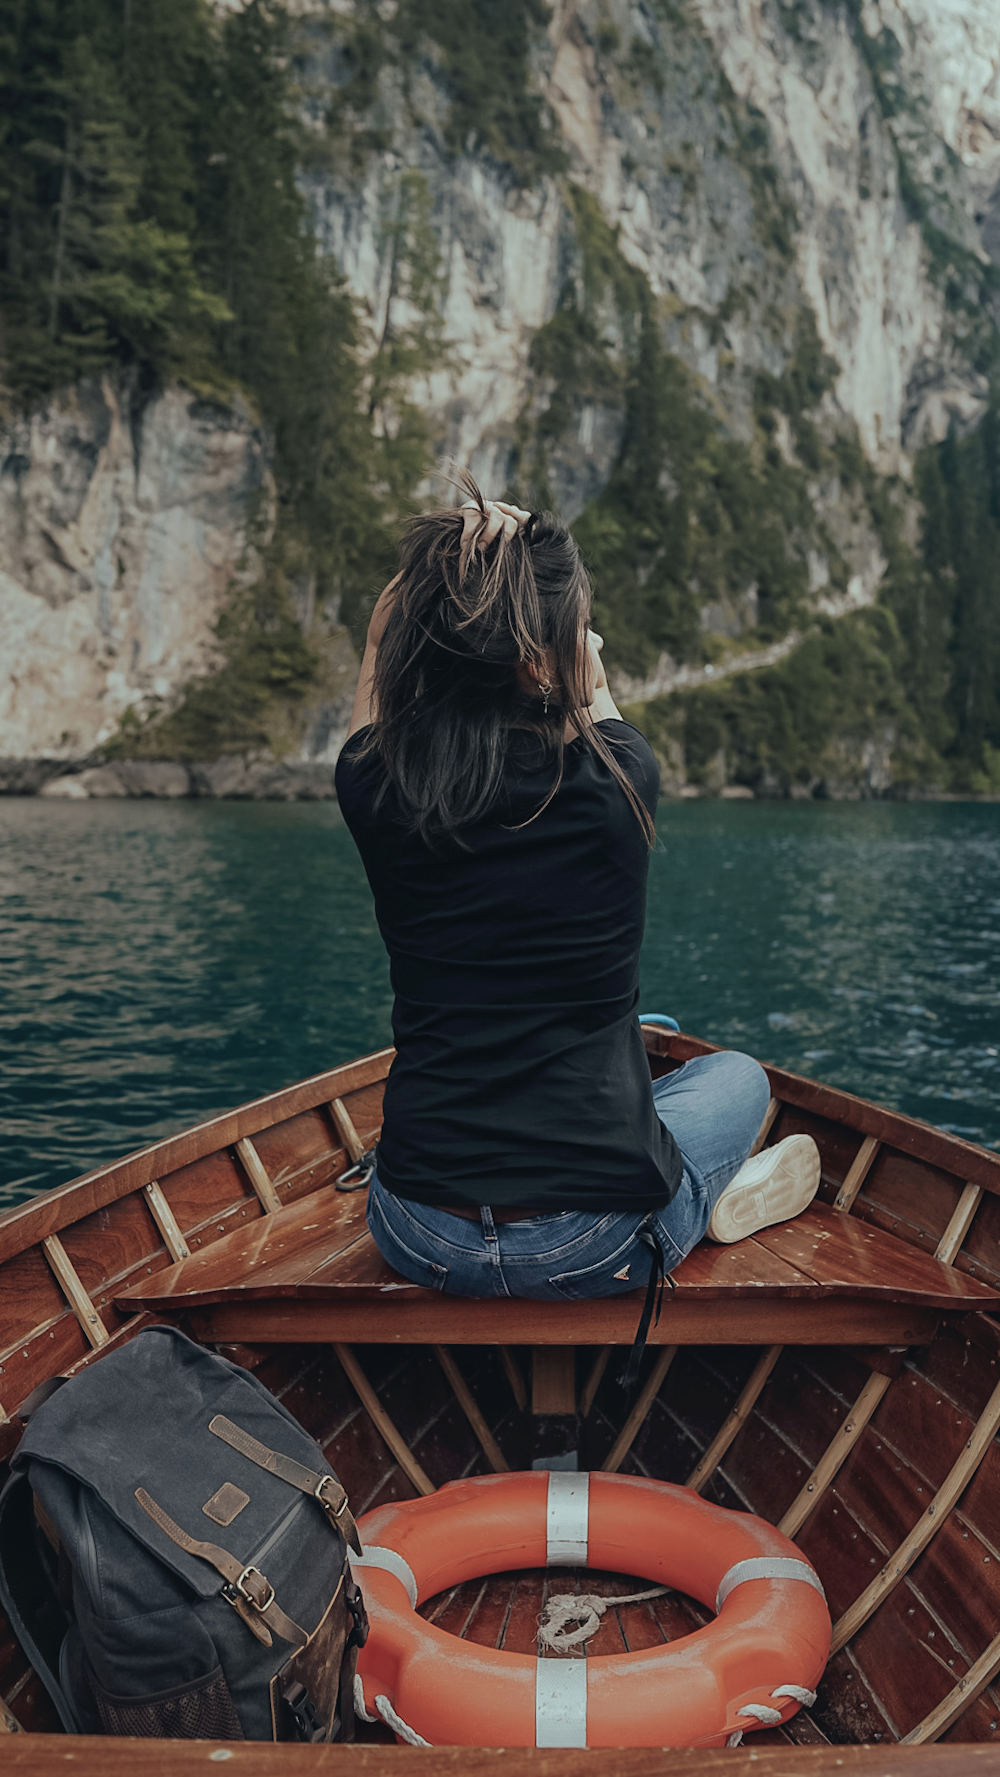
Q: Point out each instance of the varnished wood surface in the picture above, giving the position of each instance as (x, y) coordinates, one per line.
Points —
(44, 1755)
(454, 1320)
(318, 1250)
(49, 1213)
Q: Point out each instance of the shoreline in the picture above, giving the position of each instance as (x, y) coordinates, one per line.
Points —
(243, 778)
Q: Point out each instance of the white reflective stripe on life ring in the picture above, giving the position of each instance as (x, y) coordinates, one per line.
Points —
(567, 1529)
(560, 1702)
(374, 1556)
(766, 1567)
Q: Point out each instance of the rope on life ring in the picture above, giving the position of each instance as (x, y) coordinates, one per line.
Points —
(754, 1666)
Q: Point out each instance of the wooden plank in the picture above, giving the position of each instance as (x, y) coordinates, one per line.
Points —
(257, 1174)
(940, 1719)
(429, 1319)
(302, 1153)
(166, 1221)
(764, 1131)
(73, 1290)
(267, 1255)
(346, 1130)
(381, 1421)
(858, 1170)
(26, 1223)
(466, 1400)
(844, 1254)
(875, 1388)
(742, 1269)
(836, 1453)
(821, 1254)
(706, 1467)
(926, 1526)
(958, 1227)
(647, 1395)
(512, 1372)
(594, 1380)
(553, 1379)
(9, 1723)
(45, 1755)
(909, 1198)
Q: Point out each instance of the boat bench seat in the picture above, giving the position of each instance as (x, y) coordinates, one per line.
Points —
(310, 1272)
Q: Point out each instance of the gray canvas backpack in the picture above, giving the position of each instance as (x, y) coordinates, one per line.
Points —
(173, 1554)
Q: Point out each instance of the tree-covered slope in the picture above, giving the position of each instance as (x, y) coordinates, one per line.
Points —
(717, 288)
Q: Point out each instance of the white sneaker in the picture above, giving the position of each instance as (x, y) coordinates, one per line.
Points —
(775, 1185)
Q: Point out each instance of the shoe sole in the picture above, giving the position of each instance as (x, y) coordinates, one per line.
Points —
(778, 1196)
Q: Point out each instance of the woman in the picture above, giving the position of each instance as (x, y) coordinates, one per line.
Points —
(504, 812)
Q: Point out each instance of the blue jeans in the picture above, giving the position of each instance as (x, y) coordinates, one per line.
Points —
(713, 1107)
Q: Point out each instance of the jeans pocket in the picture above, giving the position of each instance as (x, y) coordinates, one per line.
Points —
(616, 1274)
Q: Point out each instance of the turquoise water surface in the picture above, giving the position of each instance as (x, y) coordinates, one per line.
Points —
(160, 962)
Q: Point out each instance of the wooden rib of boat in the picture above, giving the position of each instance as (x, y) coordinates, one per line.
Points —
(839, 1376)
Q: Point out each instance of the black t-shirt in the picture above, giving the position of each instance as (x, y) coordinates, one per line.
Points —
(520, 1076)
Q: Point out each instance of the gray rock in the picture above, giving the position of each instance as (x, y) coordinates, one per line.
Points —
(25, 777)
(153, 777)
(101, 782)
(263, 780)
(65, 789)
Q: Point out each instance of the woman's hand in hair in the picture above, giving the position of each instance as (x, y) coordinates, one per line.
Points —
(500, 516)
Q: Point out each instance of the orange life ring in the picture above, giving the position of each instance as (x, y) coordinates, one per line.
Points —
(753, 1666)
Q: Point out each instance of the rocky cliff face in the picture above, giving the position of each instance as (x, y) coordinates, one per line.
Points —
(756, 167)
(782, 189)
(120, 534)
(694, 172)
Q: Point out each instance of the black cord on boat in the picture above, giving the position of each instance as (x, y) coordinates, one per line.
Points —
(654, 1292)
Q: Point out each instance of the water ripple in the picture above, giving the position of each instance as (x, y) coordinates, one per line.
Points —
(161, 962)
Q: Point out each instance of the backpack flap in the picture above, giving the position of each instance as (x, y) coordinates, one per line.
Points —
(134, 1429)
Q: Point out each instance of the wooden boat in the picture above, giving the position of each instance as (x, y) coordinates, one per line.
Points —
(839, 1376)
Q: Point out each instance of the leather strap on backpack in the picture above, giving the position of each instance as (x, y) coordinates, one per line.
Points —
(247, 1589)
(325, 1488)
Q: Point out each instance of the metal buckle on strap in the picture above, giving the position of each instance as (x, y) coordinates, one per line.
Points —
(319, 1492)
(241, 1586)
(359, 1175)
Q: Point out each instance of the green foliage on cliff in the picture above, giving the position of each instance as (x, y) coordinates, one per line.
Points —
(816, 718)
(477, 51)
(913, 684)
(691, 516)
(151, 223)
(959, 484)
(269, 666)
(99, 190)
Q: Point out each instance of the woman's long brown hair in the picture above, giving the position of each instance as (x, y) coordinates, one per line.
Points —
(446, 692)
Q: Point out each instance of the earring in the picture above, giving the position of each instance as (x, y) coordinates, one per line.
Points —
(546, 691)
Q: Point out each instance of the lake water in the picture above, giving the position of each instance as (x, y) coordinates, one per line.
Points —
(160, 962)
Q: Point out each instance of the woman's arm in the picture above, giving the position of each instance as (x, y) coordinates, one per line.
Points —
(361, 714)
(603, 707)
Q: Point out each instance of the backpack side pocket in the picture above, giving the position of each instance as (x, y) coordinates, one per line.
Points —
(201, 1711)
